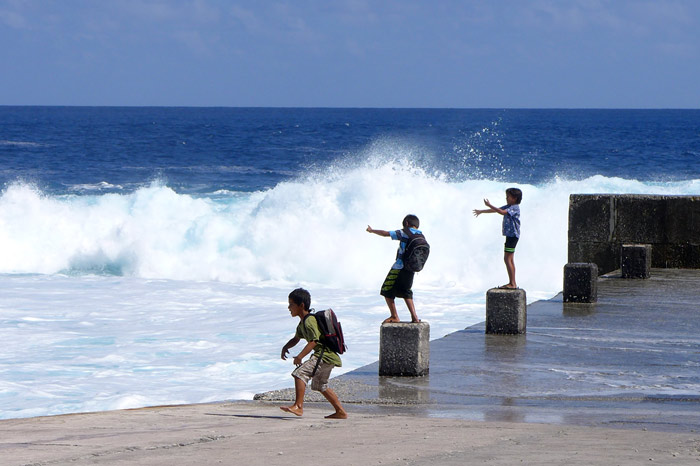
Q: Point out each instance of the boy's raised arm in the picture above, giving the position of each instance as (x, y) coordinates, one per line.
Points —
(377, 232)
(491, 209)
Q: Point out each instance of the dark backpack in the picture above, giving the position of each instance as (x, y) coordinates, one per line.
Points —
(331, 331)
(416, 252)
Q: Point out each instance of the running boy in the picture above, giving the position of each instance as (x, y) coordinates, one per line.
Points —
(511, 229)
(317, 370)
(399, 280)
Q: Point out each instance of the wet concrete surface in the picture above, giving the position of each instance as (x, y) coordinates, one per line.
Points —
(631, 360)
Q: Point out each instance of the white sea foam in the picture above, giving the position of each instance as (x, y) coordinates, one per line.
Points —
(95, 187)
(21, 143)
(131, 299)
(310, 230)
(74, 344)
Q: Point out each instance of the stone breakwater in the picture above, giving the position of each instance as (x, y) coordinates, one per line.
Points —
(599, 224)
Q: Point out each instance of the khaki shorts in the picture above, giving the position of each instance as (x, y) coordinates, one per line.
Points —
(319, 381)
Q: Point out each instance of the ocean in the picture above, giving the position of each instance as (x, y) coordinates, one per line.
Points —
(146, 254)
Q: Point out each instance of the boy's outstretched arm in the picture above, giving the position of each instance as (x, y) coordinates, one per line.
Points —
(290, 344)
(377, 232)
(491, 209)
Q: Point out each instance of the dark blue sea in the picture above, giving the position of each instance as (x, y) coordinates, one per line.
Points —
(146, 254)
(201, 150)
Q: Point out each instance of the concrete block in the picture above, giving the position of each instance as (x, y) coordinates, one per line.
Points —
(635, 260)
(580, 283)
(404, 349)
(641, 218)
(600, 224)
(506, 311)
(605, 255)
(692, 232)
(682, 222)
(590, 218)
(670, 256)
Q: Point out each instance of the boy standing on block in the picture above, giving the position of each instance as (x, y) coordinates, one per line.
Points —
(399, 280)
(511, 229)
(319, 366)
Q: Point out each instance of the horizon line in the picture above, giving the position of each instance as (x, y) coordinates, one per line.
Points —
(339, 107)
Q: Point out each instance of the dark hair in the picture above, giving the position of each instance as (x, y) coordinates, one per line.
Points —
(301, 296)
(515, 194)
(411, 220)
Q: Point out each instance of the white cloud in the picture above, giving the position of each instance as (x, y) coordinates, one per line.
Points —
(13, 20)
(245, 17)
(193, 41)
(11, 16)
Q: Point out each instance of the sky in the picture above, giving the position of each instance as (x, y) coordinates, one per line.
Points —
(351, 53)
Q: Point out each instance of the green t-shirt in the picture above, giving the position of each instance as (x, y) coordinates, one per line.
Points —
(308, 330)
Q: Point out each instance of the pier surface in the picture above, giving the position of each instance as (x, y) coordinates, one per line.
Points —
(630, 360)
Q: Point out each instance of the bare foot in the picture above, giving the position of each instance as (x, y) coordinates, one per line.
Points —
(391, 320)
(415, 321)
(337, 415)
(508, 286)
(292, 409)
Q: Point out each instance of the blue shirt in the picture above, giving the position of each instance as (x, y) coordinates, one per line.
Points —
(400, 235)
(511, 220)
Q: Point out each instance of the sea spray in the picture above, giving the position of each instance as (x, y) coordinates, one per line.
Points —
(310, 229)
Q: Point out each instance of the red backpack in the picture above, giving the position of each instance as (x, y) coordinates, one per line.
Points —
(331, 331)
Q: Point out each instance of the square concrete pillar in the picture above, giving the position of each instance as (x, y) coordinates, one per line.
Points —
(580, 282)
(635, 260)
(506, 311)
(404, 349)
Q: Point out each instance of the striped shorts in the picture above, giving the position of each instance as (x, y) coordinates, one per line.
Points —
(397, 284)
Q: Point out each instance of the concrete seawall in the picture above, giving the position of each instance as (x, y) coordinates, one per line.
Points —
(600, 223)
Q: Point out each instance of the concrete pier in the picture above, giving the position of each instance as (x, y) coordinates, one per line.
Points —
(404, 349)
(506, 311)
(599, 224)
(580, 283)
(628, 362)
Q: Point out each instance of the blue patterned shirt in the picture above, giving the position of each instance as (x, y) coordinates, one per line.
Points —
(511, 220)
(400, 235)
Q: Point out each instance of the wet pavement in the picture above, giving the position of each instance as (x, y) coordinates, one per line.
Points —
(630, 360)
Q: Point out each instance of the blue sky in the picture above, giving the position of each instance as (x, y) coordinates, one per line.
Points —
(351, 53)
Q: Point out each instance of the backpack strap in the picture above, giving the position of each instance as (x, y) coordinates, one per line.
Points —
(323, 348)
(318, 361)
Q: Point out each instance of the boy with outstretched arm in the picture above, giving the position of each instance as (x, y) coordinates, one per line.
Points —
(510, 229)
(399, 280)
(319, 366)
